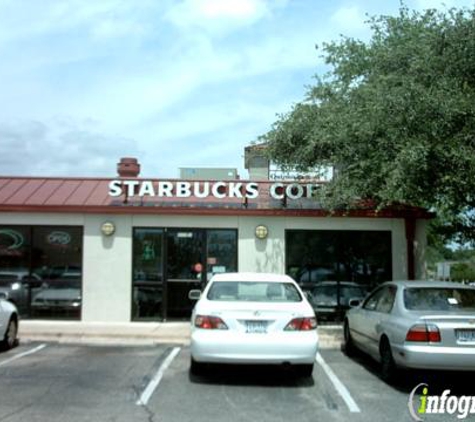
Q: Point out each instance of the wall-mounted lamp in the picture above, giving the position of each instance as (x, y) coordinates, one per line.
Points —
(261, 231)
(108, 228)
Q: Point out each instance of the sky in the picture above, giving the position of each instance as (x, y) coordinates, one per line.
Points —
(174, 83)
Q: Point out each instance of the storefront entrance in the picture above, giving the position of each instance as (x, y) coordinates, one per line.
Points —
(169, 262)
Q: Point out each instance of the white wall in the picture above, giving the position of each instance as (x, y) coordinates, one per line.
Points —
(107, 270)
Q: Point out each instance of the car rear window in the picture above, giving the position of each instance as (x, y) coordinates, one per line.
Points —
(439, 299)
(247, 291)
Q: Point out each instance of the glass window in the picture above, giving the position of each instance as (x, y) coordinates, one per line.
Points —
(372, 302)
(221, 254)
(439, 299)
(15, 275)
(148, 277)
(40, 269)
(56, 256)
(247, 291)
(147, 255)
(327, 293)
(339, 258)
(363, 257)
(186, 254)
(386, 301)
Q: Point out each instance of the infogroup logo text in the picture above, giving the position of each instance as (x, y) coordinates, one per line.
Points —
(448, 404)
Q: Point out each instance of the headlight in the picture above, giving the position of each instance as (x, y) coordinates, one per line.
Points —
(16, 286)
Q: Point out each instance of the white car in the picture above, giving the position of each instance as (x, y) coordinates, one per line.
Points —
(253, 318)
(8, 323)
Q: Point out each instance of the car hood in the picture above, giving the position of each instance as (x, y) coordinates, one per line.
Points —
(59, 294)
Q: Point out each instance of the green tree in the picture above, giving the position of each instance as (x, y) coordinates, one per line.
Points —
(395, 117)
(462, 271)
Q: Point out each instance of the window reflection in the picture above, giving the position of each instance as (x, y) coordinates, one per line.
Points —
(221, 256)
(56, 258)
(186, 254)
(147, 294)
(40, 269)
(338, 259)
(15, 273)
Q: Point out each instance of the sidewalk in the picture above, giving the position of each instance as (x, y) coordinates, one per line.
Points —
(132, 333)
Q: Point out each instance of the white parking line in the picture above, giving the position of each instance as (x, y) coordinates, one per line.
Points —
(342, 390)
(20, 355)
(152, 385)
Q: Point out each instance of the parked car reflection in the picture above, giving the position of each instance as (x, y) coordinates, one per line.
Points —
(331, 299)
(18, 287)
(59, 296)
(147, 301)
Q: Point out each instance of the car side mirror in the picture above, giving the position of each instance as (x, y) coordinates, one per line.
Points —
(3, 295)
(354, 303)
(194, 294)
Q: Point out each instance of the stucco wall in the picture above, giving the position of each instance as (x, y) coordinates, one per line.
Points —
(107, 270)
(420, 248)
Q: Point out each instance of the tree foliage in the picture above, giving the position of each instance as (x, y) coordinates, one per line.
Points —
(396, 117)
(463, 271)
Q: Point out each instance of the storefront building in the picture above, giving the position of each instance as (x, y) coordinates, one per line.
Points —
(130, 249)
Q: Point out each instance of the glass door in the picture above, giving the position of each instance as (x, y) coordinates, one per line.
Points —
(147, 281)
(186, 269)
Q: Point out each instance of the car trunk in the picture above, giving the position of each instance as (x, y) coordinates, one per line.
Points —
(456, 330)
(257, 317)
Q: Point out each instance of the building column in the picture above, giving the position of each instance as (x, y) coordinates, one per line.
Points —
(410, 224)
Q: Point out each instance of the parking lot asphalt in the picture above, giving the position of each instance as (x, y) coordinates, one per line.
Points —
(58, 382)
(133, 333)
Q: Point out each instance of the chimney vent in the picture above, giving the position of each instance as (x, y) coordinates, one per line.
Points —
(128, 167)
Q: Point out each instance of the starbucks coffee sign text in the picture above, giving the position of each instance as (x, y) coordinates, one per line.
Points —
(219, 190)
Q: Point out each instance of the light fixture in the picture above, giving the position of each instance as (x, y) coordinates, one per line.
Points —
(108, 228)
(261, 231)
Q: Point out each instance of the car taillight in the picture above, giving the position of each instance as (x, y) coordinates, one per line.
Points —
(301, 324)
(426, 333)
(210, 322)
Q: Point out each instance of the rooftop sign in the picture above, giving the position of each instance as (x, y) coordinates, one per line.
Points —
(219, 189)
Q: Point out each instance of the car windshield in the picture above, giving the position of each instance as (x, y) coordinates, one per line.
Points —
(254, 291)
(65, 284)
(346, 292)
(439, 299)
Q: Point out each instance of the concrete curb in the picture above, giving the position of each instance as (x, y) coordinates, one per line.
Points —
(132, 334)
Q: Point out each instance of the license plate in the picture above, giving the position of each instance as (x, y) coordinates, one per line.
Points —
(256, 327)
(465, 336)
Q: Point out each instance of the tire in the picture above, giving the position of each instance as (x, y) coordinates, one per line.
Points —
(388, 366)
(11, 335)
(305, 371)
(196, 368)
(348, 343)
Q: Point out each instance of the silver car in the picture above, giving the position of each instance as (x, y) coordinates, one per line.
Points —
(415, 324)
(252, 318)
(8, 323)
